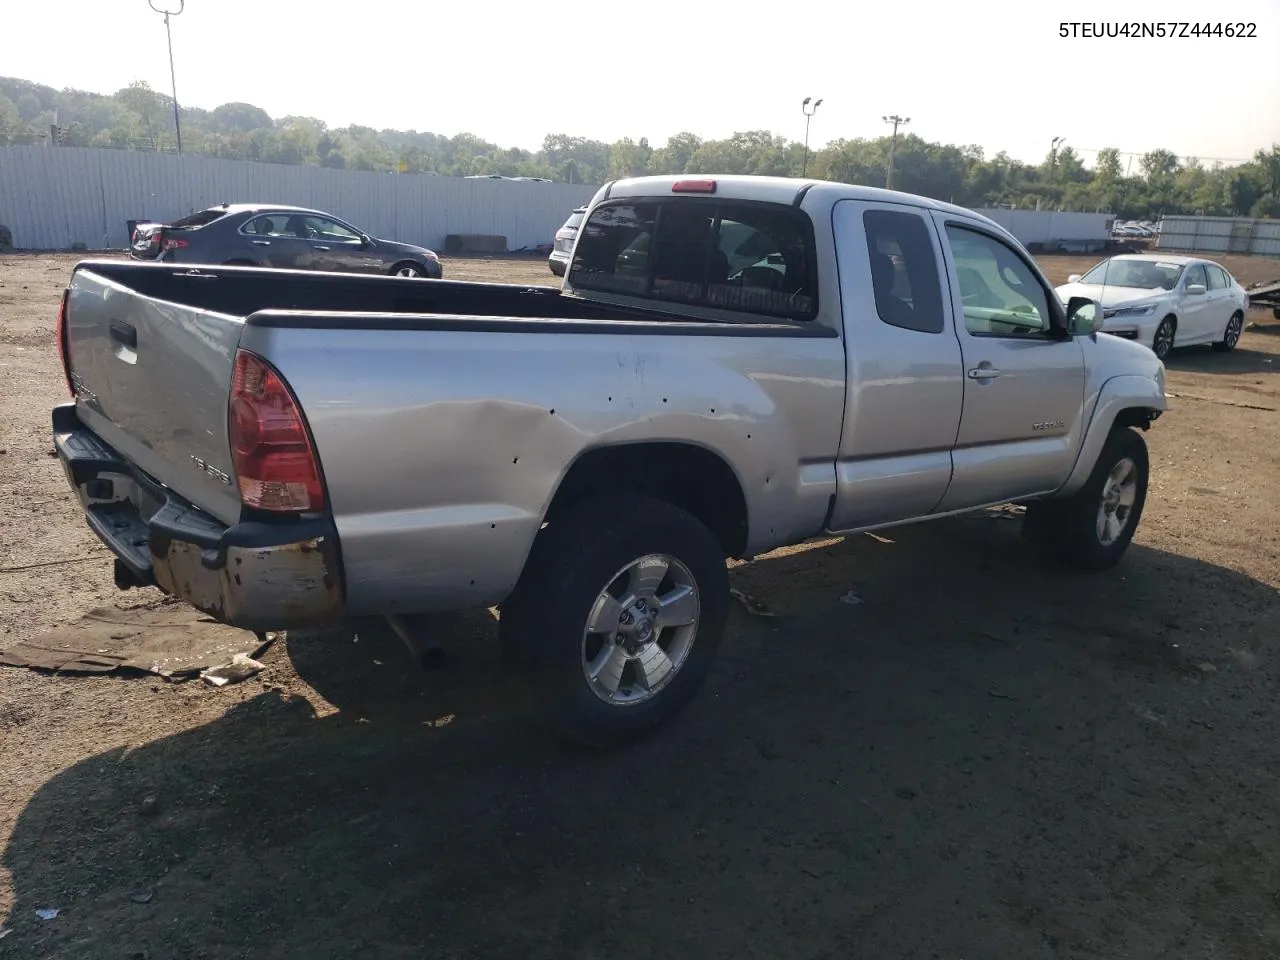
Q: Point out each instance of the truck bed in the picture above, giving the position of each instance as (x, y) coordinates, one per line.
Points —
(243, 291)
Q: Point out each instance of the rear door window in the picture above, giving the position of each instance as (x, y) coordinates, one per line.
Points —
(904, 271)
(753, 258)
(272, 225)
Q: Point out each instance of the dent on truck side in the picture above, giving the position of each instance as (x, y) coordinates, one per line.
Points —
(442, 451)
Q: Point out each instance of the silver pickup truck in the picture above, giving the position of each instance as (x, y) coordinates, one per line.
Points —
(732, 365)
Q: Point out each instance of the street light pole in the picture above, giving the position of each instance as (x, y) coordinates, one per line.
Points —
(1053, 155)
(173, 79)
(897, 121)
(809, 110)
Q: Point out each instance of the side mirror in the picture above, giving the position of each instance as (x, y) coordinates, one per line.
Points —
(1195, 289)
(1084, 317)
(1074, 278)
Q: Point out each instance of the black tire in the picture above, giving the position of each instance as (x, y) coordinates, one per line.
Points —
(1231, 335)
(543, 623)
(1163, 342)
(408, 269)
(1069, 528)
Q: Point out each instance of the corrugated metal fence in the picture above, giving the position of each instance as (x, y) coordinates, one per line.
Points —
(1086, 230)
(1242, 235)
(54, 197)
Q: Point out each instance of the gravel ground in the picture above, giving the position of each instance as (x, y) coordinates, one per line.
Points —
(985, 758)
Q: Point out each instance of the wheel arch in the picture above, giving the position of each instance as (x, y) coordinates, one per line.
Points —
(692, 477)
(406, 262)
(1129, 401)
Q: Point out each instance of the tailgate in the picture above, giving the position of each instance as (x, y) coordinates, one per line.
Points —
(152, 379)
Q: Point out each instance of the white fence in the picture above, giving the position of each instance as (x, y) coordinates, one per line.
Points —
(1241, 235)
(54, 197)
(1068, 230)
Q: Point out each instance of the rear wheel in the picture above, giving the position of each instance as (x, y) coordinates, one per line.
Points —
(1231, 335)
(1162, 342)
(617, 618)
(1092, 530)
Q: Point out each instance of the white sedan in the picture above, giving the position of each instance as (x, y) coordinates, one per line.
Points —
(1164, 301)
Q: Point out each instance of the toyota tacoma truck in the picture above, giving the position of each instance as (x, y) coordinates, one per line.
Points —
(731, 364)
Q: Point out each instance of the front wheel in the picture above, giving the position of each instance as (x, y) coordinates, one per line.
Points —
(617, 618)
(408, 270)
(1231, 335)
(1092, 530)
(1162, 342)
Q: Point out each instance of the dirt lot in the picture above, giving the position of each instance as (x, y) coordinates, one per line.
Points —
(984, 759)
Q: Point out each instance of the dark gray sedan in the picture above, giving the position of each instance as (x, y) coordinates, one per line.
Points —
(288, 238)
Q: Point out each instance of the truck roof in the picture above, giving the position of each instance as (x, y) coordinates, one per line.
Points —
(786, 190)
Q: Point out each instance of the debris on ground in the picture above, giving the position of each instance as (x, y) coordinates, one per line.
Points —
(241, 667)
(48, 913)
(149, 806)
(851, 597)
(751, 604)
(143, 896)
(5, 931)
(172, 641)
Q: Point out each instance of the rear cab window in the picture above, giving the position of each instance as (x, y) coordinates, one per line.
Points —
(729, 255)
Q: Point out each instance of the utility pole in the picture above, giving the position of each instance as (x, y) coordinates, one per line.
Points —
(808, 111)
(173, 79)
(897, 121)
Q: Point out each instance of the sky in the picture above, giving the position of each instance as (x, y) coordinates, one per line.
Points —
(996, 73)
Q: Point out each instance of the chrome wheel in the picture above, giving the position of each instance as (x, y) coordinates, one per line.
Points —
(1234, 327)
(1119, 493)
(1163, 341)
(408, 270)
(640, 630)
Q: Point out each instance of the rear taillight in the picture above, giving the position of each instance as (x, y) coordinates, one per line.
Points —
(172, 243)
(275, 460)
(63, 354)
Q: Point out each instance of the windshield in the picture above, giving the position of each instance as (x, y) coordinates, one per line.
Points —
(1139, 274)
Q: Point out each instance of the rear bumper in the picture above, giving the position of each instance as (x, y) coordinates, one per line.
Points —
(558, 262)
(259, 576)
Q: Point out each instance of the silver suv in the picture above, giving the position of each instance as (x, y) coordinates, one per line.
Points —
(562, 250)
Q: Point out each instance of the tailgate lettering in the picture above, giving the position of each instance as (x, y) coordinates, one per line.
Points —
(205, 467)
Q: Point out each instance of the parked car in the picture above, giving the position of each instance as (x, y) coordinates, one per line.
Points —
(289, 238)
(563, 247)
(788, 359)
(1164, 302)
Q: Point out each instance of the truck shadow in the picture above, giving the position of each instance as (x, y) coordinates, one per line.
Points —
(934, 724)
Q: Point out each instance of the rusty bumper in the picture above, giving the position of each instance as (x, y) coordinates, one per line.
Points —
(256, 575)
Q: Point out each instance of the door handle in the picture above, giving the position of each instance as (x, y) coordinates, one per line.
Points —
(983, 373)
(316, 246)
(124, 333)
(261, 243)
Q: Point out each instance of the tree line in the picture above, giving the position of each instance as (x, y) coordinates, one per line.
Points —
(1160, 182)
